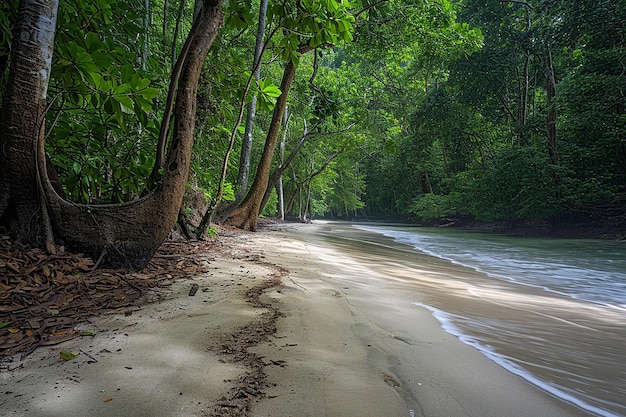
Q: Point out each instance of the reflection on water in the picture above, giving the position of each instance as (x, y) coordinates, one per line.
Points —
(551, 311)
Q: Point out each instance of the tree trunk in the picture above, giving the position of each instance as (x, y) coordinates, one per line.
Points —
(246, 215)
(246, 146)
(281, 196)
(121, 235)
(22, 119)
(551, 117)
(224, 209)
(129, 234)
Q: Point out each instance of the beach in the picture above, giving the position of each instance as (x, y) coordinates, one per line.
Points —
(284, 324)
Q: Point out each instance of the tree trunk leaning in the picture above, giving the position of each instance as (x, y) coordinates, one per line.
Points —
(246, 215)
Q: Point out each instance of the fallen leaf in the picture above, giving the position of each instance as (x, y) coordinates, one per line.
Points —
(108, 399)
(64, 331)
(13, 330)
(66, 355)
(86, 333)
(5, 324)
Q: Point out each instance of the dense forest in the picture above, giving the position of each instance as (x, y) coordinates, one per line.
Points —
(120, 117)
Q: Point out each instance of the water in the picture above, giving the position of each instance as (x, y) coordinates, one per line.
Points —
(588, 270)
(551, 311)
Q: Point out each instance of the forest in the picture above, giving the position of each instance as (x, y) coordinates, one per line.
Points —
(121, 119)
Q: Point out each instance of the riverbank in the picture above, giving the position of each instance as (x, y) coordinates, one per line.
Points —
(281, 325)
(581, 227)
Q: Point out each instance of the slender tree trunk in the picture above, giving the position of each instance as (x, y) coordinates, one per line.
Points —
(522, 115)
(166, 6)
(246, 146)
(281, 197)
(524, 87)
(146, 34)
(179, 18)
(246, 215)
(224, 209)
(551, 116)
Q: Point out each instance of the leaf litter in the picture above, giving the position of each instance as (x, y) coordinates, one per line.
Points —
(44, 297)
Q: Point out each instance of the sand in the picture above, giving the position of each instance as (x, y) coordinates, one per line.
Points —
(333, 339)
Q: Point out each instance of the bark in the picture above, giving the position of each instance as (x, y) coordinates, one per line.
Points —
(22, 119)
(245, 216)
(164, 130)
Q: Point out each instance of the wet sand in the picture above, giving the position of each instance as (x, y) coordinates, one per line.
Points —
(355, 344)
(350, 342)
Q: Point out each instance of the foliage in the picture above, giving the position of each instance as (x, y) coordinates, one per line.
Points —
(100, 99)
(477, 141)
(406, 108)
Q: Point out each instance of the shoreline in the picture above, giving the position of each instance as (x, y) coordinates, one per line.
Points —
(325, 340)
(572, 229)
(399, 357)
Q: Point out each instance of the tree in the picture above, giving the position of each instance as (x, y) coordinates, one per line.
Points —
(309, 25)
(126, 234)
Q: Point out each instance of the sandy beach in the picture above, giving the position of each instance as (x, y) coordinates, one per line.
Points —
(283, 325)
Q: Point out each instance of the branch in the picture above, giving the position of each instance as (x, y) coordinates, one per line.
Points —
(520, 3)
(371, 6)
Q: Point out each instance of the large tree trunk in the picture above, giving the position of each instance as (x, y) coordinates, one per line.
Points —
(129, 234)
(246, 215)
(23, 122)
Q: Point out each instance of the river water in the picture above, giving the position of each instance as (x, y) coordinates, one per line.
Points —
(552, 311)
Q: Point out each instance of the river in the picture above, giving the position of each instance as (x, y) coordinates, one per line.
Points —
(552, 311)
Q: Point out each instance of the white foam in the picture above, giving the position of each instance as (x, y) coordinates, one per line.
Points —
(447, 324)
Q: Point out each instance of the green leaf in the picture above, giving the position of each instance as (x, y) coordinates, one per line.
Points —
(271, 91)
(126, 104)
(67, 355)
(4, 324)
(149, 93)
